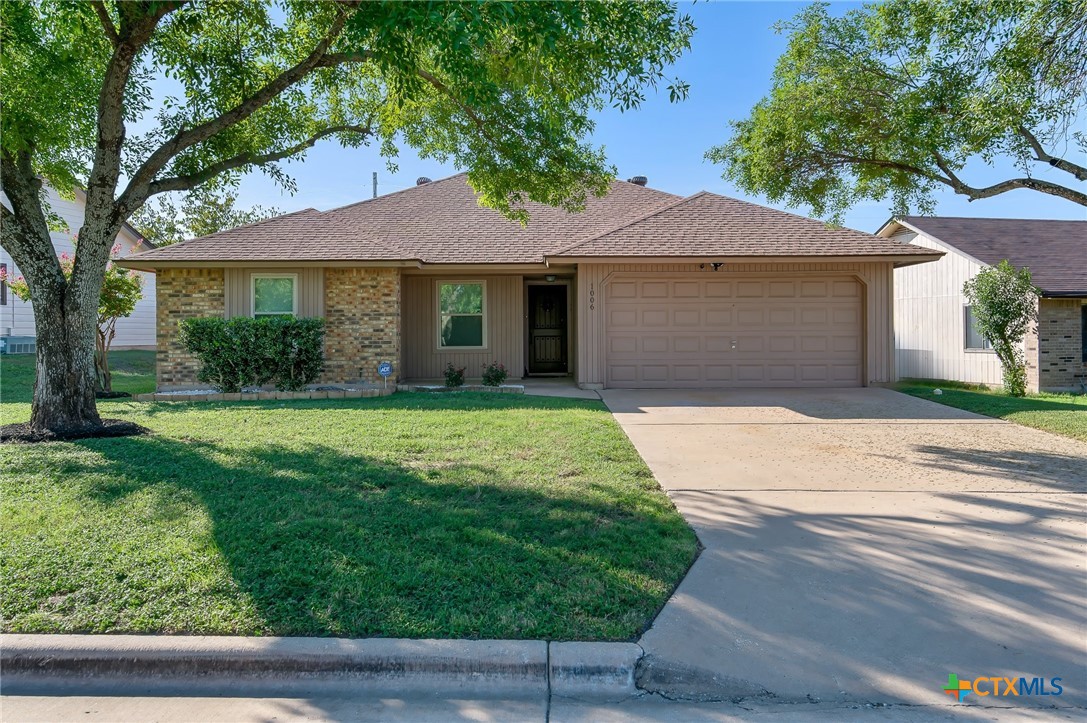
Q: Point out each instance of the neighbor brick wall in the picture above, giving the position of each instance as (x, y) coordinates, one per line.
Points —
(1055, 348)
(183, 293)
(362, 323)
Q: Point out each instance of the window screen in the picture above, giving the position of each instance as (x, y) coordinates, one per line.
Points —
(460, 311)
(974, 339)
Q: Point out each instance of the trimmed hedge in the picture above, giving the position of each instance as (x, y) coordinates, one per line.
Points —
(243, 352)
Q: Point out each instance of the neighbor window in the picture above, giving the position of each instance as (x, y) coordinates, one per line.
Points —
(275, 295)
(974, 339)
(1083, 330)
(461, 315)
(3, 284)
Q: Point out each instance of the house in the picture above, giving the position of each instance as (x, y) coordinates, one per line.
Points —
(17, 317)
(642, 289)
(934, 336)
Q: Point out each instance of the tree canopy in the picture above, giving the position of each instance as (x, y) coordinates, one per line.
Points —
(202, 211)
(1004, 302)
(895, 99)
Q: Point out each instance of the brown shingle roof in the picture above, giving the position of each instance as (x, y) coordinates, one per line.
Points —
(1054, 251)
(441, 222)
(707, 224)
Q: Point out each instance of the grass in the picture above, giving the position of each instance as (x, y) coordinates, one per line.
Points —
(1064, 414)
(474, 515)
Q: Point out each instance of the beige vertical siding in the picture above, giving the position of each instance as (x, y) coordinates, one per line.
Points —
(929, 320)
(311, 290)
(877, 278)
(421, 358)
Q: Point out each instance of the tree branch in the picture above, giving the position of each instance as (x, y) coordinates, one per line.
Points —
(25, 231)
(107, 22)
(138, 187)
(1040, 154)
(1033, 184)
(188, 182)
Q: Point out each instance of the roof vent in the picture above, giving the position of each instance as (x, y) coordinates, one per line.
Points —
(639, 180)
(421, 180)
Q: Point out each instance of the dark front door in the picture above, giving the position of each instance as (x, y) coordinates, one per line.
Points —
(547, 329)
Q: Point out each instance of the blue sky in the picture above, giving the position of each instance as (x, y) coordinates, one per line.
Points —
(729, 67)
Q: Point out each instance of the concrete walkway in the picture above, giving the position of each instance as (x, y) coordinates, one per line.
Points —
(861, 544)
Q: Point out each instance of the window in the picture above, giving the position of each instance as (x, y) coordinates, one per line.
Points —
(974, 339)
(461, 315)
(275, 294)
(1083, 330)
(3, 284)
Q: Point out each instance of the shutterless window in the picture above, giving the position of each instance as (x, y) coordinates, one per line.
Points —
(4, 285)
(275, 295)
(974, 339)
(1083, 330)
(461, 315)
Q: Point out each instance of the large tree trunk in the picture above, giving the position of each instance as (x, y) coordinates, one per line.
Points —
(64, 389)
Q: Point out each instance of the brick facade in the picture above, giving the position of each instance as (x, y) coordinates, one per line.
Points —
(362, 316)
(1054, 349)
(183, 293)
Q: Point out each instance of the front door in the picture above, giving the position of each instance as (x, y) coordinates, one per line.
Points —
(547, 329)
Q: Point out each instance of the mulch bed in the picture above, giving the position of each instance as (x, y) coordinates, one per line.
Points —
(23, 434)
(111, 395)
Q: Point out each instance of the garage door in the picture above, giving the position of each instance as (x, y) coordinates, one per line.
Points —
(702, 331)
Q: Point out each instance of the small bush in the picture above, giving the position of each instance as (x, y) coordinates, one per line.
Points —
(454, 377)
(494, 374)
(243, 352)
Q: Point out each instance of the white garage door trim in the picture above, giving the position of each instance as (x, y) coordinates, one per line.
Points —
(703, 329)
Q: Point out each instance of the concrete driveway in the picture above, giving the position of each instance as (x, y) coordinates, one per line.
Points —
(861, 544)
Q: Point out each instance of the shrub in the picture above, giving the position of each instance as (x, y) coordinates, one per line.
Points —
(494, 374)
(243, 352)
(1005, 303)
(454, 377)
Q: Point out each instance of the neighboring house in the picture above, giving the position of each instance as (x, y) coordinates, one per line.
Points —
(934, 336)
(642, 289)
(17, 317)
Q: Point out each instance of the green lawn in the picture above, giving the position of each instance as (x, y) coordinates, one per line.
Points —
(472, 515)
(1058, 413)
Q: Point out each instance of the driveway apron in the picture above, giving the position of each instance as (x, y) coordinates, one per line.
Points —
(862, 545)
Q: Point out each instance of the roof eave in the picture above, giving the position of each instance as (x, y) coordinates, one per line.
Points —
(153, 265)
(897, 259)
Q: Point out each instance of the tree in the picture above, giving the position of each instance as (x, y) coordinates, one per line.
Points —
(503, 89)
(1004, 303)
(893, 100)
(202, 211)
(121, 290)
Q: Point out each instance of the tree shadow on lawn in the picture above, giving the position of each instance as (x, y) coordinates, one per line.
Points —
(324, 542)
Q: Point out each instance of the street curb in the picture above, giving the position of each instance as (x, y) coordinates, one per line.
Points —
(524, 667)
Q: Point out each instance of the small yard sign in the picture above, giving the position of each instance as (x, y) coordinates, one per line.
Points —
(385, 370)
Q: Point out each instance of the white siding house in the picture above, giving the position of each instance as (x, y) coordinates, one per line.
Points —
(17, 317)
(930, 318)
(934, 336)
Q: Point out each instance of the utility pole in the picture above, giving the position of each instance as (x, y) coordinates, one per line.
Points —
(375, 184)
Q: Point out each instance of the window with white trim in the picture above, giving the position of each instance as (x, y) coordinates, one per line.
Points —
(274, 295)
(462, 315)
(974, 340)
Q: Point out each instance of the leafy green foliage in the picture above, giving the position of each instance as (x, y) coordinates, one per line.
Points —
(245, 352)
(894, 99)
(1005, 302)
(202, 211)
(494, 374)
(454, 376)
(504, 89)
(426, 516)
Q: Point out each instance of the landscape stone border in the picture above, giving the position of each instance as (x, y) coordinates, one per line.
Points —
(503, 389)
(263, 396)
